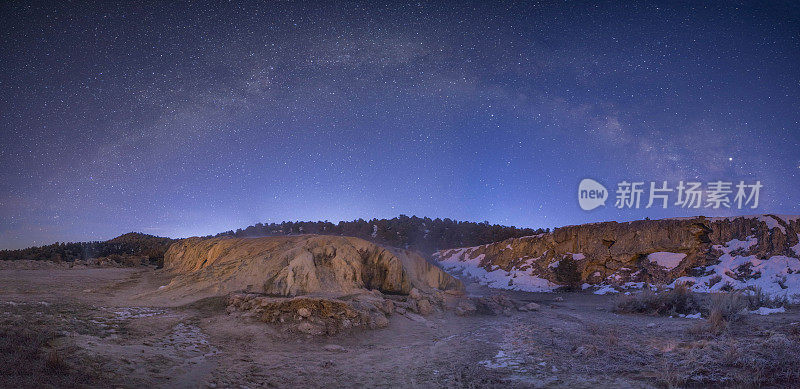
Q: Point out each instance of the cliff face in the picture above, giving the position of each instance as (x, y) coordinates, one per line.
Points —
(297, 265)
(652, 251)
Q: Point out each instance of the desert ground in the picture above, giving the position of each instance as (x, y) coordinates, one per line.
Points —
(91, 327)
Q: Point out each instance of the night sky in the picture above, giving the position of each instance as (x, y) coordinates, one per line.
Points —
(194, 118)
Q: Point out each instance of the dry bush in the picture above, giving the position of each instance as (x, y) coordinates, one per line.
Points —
(54, 362)
(568, 274)
(722, 310)
(756, 298)
(716, 322)
(678, 300)
(729, 307)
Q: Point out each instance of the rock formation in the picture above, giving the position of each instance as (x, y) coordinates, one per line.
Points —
(652, 251)
(308, 284)
(297, 265)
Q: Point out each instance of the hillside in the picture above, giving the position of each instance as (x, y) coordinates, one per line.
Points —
(423, 234)
(130, 244)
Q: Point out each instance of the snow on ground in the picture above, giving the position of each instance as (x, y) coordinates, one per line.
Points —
(737, 244)
(496, 278)
(776, 276)
(667, 260)
(772, 223)
(606, 289)
(504, 361)
(768, 311)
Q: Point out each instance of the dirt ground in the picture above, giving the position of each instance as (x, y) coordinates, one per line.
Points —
(93, 328)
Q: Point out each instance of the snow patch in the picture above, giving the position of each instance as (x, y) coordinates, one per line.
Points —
(503, 361)
(495, 278)
(768, 311)
(606, 289)
(772, 223)
(666, 260)
(775, 276)
(737, 244)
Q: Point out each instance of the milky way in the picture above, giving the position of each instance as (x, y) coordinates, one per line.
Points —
(181, 119)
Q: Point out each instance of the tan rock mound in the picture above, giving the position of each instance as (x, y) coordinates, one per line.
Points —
(296, 265)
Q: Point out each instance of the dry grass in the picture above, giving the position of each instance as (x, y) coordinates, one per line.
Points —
(726, 358)
(718, 308)
(678, 300)
(772, 361)
(28, 358)
(756, 298)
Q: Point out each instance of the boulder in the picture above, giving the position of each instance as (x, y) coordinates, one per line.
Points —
(310, 329)
(378, 320)
(529, 307)
(334, 348)
(425, 307)
(466, 307)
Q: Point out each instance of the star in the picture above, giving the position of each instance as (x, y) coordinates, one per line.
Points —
(219, 117)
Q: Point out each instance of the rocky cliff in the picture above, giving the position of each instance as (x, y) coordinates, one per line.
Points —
(650, 251)
(297, 265)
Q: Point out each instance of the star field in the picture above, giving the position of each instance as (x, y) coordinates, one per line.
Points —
(180, 119)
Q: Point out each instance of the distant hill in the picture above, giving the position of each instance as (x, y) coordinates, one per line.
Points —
(132, 243)
(423, 234)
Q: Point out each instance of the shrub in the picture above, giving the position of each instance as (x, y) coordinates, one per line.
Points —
(678, 300)
(567, 273)
(723, 309)
(756, 298)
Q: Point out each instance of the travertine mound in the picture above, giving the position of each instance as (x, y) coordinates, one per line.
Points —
(652, 251)
(296, 265)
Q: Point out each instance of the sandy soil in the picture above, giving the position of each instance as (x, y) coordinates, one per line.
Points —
(108, 335)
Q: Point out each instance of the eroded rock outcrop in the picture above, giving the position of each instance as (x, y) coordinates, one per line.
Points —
(652, 251)
(308, 284)
(297, 265)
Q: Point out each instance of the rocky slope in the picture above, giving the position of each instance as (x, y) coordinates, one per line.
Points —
(297, 265)
(696, 250)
